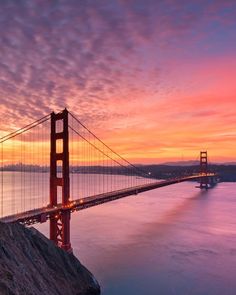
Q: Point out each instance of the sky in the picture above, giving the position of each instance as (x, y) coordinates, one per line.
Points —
(153, 79)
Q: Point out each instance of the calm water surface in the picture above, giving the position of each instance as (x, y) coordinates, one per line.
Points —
(173, 240)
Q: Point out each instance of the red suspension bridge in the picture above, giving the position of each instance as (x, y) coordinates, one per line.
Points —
(83, 172)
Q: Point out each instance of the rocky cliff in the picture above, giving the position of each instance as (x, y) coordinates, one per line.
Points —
(30, 264)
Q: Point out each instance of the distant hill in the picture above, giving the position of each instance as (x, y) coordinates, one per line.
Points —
(194, 163)
(226, 172)
(181, 163)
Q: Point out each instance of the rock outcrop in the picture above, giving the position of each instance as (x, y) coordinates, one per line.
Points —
(30, 264)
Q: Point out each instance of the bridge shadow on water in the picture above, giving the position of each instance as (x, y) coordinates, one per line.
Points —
(163, 227)
(170, 217)
(153, 246)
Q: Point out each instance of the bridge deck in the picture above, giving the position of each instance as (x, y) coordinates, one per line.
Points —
(42, 214)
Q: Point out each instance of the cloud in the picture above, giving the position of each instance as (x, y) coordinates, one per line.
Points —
(118, 64)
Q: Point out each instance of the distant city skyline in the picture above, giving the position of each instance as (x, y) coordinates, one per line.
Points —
(154, 79)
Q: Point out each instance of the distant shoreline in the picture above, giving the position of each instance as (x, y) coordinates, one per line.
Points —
(226, 172)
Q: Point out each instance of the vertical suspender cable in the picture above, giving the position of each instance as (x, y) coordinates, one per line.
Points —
(2, 179)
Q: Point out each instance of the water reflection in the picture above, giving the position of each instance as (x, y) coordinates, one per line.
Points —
(173, 240)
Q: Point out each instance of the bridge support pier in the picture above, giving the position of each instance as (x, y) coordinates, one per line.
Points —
(204, 181)
(60, 222)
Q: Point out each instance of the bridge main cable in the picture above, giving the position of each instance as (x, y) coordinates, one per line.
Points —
(98, 148)
(25, 128)
(140, 171)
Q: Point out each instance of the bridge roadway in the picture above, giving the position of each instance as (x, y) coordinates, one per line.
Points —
(43, 214)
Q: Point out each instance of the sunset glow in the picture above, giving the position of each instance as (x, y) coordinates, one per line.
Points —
(155, 84)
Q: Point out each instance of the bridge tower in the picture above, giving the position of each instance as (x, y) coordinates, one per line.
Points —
(204, 181)
(60, 186)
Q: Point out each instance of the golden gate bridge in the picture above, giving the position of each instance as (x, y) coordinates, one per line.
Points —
(56, 165)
